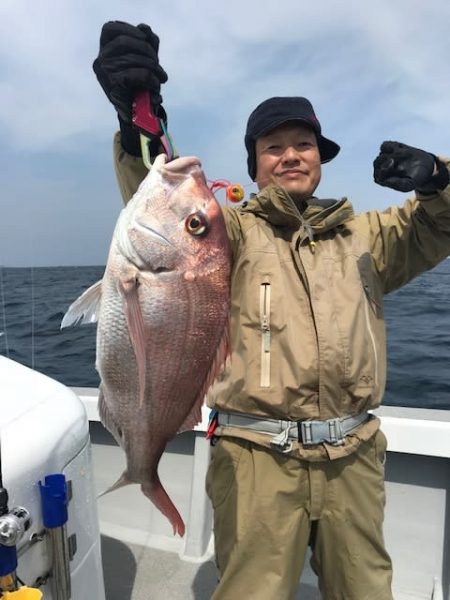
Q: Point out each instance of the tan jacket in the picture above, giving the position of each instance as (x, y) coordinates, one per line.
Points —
(307, 327)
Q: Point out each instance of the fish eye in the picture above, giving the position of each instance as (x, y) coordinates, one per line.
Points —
(196, 224)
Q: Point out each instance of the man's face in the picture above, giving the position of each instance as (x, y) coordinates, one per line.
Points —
(289, 157)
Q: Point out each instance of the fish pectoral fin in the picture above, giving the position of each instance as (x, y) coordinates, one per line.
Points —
(85, 308)
(223, 351)
(135, 321)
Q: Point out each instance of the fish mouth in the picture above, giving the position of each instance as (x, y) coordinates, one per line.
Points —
(154, 234)
(178, 170)
(183, 166)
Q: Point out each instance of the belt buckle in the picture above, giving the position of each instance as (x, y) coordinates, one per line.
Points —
(281, 441)
(332, 430)
(306, 433)
(335, 430)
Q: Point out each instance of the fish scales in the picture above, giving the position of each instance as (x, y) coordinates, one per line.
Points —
(163, 311)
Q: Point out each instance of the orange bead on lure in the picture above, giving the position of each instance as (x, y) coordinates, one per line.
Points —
(234, 191)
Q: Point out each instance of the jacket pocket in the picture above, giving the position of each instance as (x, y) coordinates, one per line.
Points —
(264, 312)
(375, 305)
(371, 333)
(370, 285)
(221, 476)
(380, 447)
(373, 311)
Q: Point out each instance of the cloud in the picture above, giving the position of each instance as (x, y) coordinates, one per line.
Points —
(221, 57)
(373, 71)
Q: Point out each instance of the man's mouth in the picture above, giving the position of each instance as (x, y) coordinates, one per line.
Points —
(292, 172)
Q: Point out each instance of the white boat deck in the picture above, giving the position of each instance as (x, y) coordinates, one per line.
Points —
(142, 560)
(141, 573)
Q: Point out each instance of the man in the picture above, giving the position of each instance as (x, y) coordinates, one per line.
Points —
(297, 458)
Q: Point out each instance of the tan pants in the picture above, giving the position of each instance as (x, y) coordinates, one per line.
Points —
(268, 507)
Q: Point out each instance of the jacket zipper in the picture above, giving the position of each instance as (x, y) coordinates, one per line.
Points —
(264, 311)
(369, 327)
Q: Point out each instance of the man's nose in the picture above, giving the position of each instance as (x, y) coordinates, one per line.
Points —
(290, 155)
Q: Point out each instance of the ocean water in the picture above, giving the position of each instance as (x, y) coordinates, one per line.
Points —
(34, 301)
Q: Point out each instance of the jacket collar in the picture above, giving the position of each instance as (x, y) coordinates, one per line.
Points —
(276, 206)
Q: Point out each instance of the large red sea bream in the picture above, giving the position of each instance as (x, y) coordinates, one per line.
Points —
(162, 309)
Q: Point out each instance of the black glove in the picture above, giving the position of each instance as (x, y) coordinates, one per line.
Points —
(128, 62)
(405, 168)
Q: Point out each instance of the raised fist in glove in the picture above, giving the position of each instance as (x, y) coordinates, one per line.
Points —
(128, 62)
(405, 168)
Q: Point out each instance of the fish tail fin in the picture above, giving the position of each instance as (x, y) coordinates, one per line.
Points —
(158, 495)
(121, 482)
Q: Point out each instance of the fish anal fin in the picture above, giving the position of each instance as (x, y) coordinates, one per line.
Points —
(121, 482)
(108, 420)
(222, 353)
(85, 308)
(135, 321)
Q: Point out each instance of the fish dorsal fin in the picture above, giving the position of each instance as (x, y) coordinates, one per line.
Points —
(136, 329)
(85, 308)
(222, 353)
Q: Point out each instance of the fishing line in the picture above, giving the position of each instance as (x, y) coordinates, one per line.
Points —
(3, 492)
(32, 316)
(2, 296)
(32, 246)
(235, 192)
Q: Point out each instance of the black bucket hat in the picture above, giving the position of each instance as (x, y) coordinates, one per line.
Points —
(276, 111)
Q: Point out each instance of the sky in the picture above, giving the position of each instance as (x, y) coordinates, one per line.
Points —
(373, 72)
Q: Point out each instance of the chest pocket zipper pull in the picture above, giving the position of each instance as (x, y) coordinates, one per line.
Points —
(264, 305)
(311, 242)
(266, 335)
